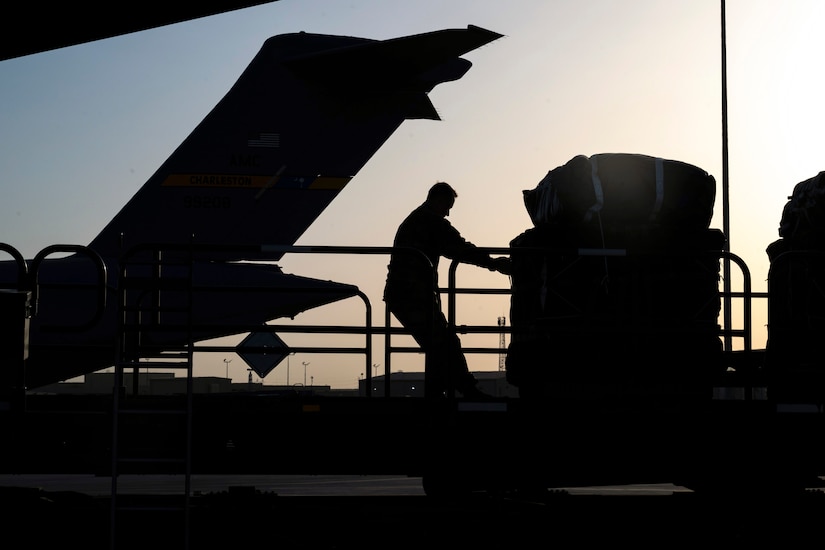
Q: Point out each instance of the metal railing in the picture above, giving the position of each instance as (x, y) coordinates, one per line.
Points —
(728, 333)
(369, 330)
(262, 253)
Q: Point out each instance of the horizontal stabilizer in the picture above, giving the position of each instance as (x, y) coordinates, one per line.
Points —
(223, 299)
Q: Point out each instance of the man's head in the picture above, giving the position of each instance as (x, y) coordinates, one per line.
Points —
(441, 198)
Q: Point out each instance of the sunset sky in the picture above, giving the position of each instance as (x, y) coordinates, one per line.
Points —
(84, 127)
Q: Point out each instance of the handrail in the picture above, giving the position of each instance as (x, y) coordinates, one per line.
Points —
(452, 290)
(101, 283)
(277, 251)
(22, 267)
(746, 294)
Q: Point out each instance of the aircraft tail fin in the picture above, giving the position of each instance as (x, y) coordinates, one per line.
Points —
(307, 113)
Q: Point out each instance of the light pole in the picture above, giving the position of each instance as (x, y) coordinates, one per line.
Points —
(725, 179)
(305, 363)
(227, 361)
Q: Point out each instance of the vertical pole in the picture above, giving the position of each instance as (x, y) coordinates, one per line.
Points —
(725, 192)
(502, 353)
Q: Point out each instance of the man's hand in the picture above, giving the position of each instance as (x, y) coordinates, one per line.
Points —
(502, 265)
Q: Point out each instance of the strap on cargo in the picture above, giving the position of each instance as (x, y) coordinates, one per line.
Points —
(546, 201)
(597, 191)
(660, 188)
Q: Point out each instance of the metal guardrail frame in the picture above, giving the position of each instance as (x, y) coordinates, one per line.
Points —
(727, 333)
(276, 252)
(452, 290)
(28, 279)
(22, 266)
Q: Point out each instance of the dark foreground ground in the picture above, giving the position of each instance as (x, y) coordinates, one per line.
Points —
(244, 518)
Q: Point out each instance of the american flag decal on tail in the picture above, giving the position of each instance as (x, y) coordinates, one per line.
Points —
(265, 139)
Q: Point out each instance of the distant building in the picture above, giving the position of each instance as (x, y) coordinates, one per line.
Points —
(411, 384)
(402, 384)
(155, 383)
(166, 383)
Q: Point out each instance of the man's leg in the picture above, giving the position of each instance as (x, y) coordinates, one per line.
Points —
(449, 361)
(445, 365)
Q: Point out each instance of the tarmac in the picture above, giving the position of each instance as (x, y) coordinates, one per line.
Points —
(390, 512)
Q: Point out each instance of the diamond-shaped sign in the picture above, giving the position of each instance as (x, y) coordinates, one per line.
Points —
(262, 351)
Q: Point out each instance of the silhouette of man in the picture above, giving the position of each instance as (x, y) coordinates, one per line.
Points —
(411, 290)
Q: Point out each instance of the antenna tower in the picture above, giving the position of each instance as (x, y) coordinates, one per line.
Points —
(501, 345)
